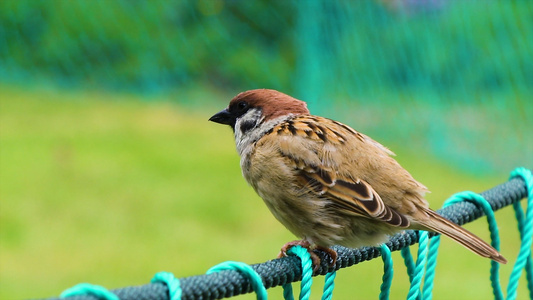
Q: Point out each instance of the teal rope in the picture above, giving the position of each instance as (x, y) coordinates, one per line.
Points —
(409, 264)
(388, 273)
(525, 226)
(519, 213)
(408, 261)
(494, 235)
(173, 284)
(525, 257)
(427, 291)
(529, 276)
(414, 290)
(89, 289)
(329, 284)
(495, 242)
(287, 291)
(307, 280)
(307, 273)
(245, 269)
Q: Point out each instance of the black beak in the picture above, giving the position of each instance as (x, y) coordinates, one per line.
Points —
(223, 117)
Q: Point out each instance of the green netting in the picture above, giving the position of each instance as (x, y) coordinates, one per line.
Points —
(452, 77)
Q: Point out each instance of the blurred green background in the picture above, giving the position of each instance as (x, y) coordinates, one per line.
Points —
(110, 172)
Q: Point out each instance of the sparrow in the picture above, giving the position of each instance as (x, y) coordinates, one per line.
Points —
(327, 183)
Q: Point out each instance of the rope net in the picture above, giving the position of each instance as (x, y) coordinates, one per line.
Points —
(231, 279)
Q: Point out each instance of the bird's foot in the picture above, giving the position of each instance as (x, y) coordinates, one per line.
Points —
(331, 253)
(314, 258)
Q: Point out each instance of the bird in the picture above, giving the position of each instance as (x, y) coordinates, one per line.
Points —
(327, 183)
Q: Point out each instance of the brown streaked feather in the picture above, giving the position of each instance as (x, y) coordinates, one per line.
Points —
(358, 198)
(319, 173)
(438, 223)
(352, 155)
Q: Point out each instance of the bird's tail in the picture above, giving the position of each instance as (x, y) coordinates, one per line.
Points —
(438, 223)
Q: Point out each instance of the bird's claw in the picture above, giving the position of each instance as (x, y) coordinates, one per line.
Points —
(331, 253)
(314, 258)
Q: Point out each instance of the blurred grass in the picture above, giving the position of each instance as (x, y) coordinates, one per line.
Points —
(110, 189)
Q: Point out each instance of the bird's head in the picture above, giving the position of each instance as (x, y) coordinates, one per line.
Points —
(252, 108)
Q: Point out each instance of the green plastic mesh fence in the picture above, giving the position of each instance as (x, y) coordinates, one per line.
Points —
(453, 77)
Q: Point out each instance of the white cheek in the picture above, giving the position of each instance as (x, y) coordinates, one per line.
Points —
(255, 127)
(246, 129)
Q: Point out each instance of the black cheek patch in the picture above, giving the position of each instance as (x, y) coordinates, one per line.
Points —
(247, 125)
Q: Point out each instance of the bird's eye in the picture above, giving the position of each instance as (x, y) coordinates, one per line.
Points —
(242, 105)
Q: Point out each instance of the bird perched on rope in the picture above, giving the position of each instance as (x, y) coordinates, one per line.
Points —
(327, 183)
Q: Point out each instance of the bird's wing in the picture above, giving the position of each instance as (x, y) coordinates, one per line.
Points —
(353, 197)
(314, 147)
(357, 175)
